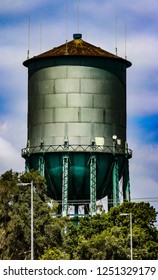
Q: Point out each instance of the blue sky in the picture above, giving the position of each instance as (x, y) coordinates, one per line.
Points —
(97, 20)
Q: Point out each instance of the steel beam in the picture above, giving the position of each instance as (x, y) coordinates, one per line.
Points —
(27, 165)
(126, 182)
(76, 216)
(65, 175)
(110, 200)
(116, 199)
(41, 166)
(93, 185)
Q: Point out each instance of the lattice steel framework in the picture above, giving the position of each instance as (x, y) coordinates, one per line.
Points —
(93, 185)
(76, 148)
(41, 166)
(65, 175)
(116, 199)
(126, 182)
(113, 196)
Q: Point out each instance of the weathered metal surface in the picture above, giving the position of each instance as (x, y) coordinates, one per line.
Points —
(76, 103)
(78, 47)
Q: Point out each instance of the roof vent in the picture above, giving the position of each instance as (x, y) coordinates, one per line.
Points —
(77, 36)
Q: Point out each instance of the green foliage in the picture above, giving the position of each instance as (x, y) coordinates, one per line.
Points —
(107, 236)
(104, 236)
(54, 254)
(15, 221)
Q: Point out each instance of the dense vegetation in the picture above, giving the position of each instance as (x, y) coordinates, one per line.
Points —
(104, 236)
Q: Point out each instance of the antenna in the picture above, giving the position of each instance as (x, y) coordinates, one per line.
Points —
(67, 6)
(116, 35)
(125, 41)
(78, 16)
(28, 51)
(40, 37)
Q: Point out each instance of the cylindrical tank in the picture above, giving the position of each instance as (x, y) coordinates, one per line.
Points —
(76, 107)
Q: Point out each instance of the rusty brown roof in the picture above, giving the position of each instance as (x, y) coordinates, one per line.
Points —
(78, 47)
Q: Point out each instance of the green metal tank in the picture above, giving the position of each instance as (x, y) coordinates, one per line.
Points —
(77, 123)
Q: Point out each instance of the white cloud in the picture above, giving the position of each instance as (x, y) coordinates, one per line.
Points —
(143, 7)
(142, 76)
(3, 127)
(18, 6)
(142, 48)
(10, 158)
(142, 104)
(143, 169)
(122, 8)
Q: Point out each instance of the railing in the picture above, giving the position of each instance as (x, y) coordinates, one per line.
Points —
(76, 148)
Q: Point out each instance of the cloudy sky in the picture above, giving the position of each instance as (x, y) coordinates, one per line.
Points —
(96, 20)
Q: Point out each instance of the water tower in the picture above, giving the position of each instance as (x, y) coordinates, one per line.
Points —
(77, 124)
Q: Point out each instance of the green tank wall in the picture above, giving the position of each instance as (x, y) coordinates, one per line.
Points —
(79, 173)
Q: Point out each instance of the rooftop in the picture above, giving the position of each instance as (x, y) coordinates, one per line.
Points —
(77, 47)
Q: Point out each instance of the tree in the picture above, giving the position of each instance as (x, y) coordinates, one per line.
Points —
(54, 254)
(15, 217)
(145, 234)
(107, 236)
(104, 236)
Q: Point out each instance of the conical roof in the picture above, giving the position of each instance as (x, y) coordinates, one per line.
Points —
(77, 47)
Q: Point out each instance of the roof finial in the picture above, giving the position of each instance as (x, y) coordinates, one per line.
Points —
(77, 36)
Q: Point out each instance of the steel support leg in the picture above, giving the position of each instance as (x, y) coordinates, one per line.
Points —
(93, 185)
(76, 216)
(110, 200)
(126, 183)
(86, 209)
(65, 175)
(116, 199)
(27, 165)
(41, 166)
